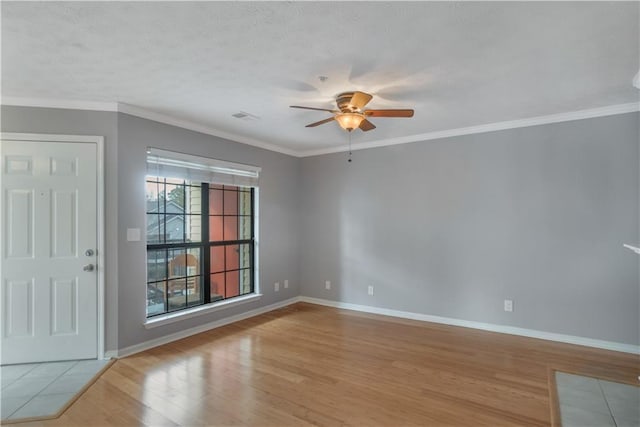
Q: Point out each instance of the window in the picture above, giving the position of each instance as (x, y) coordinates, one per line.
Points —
(200, 231)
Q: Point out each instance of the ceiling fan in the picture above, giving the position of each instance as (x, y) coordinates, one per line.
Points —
(350, 114)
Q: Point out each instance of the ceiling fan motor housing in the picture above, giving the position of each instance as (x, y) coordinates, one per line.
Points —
(343, 101)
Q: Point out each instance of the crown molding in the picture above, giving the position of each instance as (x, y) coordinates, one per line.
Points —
(186, 124)
(197, 127)
(67, 104)
(489, 127)
(144, 114)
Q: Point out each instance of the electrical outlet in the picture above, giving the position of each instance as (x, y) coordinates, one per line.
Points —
(327, 284)
(370, 290)
(286, 283)
(508, 305)
(276, 286)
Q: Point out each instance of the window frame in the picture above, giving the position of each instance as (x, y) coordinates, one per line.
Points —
(205, 245)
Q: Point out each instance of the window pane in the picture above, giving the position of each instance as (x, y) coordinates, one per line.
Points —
(231, 202)
(244, 255)
(245, 227)
(177, 287)
(230, 228)
(175, 198)
(233, 257)
(177, 262)
(174, 181)
(184, 262)
(193, 225)
(232, 283)
(193, 199)
(155, 195)
(244, 203)
(193, 261)
(215, 202)
(177, 300)
(215, 229)
(174, 228)
(162, 197)
(217, 259)
(155, 298)
(152, 191)
(175, 215)
(217, 286)
(156, 265)
(194, 291)
(193, 222)
(237, 256)
(245, 281)
(155, 228)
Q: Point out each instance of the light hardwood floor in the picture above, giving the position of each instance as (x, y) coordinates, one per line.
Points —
(306, 364)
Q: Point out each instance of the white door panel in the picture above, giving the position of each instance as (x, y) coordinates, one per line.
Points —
(19, 308)
(49, 220)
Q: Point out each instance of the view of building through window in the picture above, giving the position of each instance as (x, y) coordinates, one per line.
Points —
(200, 243)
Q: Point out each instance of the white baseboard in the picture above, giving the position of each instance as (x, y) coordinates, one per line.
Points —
(137, 348)
(511, 330)
(110, 354)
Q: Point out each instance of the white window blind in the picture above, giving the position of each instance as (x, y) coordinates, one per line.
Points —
(170, 164)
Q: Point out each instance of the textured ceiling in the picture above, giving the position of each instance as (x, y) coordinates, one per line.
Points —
(458, 64)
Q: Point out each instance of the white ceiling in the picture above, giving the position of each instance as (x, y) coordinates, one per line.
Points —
(458, 64)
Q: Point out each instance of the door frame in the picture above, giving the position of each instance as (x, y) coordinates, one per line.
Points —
(100, 206)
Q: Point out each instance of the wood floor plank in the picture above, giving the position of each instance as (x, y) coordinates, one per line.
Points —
(312, 365)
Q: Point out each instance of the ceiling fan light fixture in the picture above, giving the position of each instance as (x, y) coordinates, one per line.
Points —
(351, 114)
(349, 121)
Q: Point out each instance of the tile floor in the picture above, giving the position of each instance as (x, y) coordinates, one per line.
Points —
(41, 389)
(590, 402)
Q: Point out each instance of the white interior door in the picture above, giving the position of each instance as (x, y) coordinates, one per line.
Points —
(48, 251)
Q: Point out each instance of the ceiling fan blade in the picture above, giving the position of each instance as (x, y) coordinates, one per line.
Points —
(366, 125)
(313, 108)
(360, 99)
(321, 122)
(389, 113)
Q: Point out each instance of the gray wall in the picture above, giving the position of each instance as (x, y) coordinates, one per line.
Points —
(453, 227)
(448, 227)
(77, 122)
(127, 138)
(278, 219)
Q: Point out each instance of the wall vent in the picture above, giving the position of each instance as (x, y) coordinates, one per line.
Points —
(242, 115)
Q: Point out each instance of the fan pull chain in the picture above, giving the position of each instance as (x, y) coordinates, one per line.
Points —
(349, 147)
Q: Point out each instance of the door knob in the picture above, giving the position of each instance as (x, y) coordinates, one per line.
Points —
(88, 267)
(89, 252)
